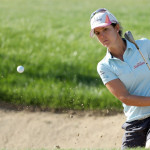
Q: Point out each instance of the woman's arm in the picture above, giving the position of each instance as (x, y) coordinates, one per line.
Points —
(117, 88)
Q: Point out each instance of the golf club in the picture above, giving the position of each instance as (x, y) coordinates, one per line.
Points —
(128, 35)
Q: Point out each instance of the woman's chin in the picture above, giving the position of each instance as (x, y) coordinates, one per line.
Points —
(106, 45)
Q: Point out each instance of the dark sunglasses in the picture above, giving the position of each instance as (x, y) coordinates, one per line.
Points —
(97, 11)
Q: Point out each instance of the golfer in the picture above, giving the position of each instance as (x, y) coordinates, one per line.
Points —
(126, 75)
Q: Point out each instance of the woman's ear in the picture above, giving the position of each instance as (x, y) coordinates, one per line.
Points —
(117, 27)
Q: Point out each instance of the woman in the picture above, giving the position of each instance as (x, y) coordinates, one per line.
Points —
(126, 75)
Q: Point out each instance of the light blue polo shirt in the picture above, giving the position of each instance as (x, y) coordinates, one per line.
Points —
(133, 72)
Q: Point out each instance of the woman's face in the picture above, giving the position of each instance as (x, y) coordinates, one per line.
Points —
(107, 35)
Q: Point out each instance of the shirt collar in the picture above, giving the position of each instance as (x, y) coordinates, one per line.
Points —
(129, 47)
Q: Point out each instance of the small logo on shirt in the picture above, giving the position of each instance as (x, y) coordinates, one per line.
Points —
(139, 64)
(101, 72)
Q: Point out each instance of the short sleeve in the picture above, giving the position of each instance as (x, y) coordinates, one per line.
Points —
(105, 73)
(144, 45)
(147, 44)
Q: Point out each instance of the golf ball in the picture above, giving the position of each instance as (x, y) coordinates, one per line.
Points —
(20, 69)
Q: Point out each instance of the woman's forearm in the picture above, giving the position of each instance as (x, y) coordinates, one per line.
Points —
(117, 88)
(133, 100)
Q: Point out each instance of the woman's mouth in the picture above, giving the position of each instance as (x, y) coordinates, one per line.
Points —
(105, 40)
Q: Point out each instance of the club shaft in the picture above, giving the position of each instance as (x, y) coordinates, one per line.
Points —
(142, 56)
(128, 35)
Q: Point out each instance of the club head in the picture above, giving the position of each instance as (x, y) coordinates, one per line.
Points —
(128, 35)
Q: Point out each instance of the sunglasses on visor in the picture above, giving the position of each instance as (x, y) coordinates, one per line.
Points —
(97, 11)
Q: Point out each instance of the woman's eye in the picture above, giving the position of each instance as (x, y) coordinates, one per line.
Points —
(97, 33)
(105, 29)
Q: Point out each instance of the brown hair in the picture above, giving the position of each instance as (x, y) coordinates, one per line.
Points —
(120, 30)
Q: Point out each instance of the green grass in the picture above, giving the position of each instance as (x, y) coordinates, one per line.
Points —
(50, 38)
(85, 149)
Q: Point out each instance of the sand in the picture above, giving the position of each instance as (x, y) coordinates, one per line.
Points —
(36, 130)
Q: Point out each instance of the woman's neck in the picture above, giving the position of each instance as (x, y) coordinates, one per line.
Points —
(118, 49)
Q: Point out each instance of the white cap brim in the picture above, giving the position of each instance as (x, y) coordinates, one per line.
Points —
(100, 25)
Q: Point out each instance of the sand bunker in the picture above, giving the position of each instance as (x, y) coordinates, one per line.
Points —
(36, 130)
